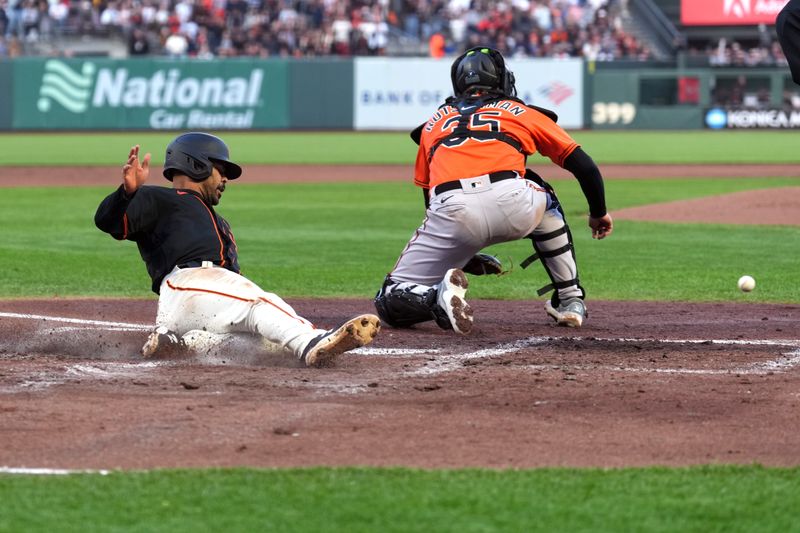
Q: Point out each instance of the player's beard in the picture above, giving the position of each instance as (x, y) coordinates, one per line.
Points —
(216, 195)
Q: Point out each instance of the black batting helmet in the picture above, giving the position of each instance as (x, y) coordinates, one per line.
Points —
(194, 155)
(481, 68)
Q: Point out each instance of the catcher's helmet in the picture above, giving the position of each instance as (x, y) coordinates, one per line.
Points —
(481, 68)
(194, 155)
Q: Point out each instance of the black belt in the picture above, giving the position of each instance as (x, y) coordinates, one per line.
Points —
(494, 177)
(196, 264)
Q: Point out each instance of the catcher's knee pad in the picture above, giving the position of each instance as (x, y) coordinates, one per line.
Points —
(404, 304)
(552, 242)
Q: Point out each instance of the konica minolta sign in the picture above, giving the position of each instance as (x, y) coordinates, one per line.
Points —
(718, 118)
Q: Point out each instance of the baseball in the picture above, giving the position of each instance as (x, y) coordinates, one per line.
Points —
(746, 283)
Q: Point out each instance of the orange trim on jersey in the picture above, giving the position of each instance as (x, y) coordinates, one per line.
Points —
(219, 236)
(229, 233)
(226, 295)
(125, 226)
(209, 291)
(283, 310)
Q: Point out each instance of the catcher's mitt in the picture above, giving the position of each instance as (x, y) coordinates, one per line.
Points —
(482, 264)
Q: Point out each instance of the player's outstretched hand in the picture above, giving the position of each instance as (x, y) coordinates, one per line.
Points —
(601, 226)
(134, 173)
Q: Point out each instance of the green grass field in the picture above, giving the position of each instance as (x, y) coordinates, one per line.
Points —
(396, 147)
(700, 499)
(340, 240)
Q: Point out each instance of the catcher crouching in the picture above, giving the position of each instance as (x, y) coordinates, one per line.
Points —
(471, 166)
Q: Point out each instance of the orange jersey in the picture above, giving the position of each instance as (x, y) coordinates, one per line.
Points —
(473, 157)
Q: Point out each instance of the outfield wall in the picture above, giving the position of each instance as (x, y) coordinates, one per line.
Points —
(369, 94)
(6, 102)
(634, 96)
(401, 93)
(262, 94)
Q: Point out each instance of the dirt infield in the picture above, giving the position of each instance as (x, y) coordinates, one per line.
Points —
(769, 206)
(642, 383)
(65, 176)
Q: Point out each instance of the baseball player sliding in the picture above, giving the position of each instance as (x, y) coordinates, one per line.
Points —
(471, 168)
(191, 256)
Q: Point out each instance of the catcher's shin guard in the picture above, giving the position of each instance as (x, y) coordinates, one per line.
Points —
(552, 242)
(404, 304)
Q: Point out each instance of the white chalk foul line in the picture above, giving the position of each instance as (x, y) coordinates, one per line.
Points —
(450, 362)
(787, 362)
(127, 326)
(67, 329)
(98, 370)
(115, 369)
(48, 471)
(791, 360)
(66, 320)
(394, 351)
(754, 342)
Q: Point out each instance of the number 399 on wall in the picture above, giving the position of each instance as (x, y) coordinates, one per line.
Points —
(613, 113)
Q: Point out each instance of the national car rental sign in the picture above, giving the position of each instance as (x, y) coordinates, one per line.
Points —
(730, 12)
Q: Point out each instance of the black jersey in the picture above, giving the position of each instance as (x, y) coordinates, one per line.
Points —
(172, 227)
(788, 27)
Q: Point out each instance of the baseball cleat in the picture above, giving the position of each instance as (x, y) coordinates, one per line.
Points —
(451, 300)
(163, 343)
(570, 313)
(354, 333)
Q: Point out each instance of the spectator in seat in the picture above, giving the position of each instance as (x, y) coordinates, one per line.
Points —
(138, 43)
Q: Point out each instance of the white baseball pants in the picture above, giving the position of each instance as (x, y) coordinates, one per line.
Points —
(217, 301)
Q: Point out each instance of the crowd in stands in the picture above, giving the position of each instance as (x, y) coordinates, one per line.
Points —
(765, 50)
(522, 28)
(301, 28)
